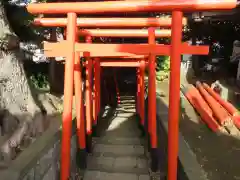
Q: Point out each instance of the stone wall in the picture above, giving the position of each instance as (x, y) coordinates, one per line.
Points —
(48, 166)
(41, 160)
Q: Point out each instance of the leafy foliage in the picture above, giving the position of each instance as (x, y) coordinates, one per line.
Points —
(39, 80)
(21, 20)
(162, 67)
(163, 63)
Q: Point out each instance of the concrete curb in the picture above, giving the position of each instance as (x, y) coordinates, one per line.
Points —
(189, 168)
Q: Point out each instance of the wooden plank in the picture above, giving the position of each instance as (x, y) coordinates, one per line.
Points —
(119, 50)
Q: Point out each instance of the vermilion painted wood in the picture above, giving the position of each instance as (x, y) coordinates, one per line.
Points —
(138, 33)
(79, 103)
(94, 101)
(219, 112)
(138, 91)
(130, 6)
(123, 33)
(121, 60)
(174, 94)
(120, 50)
(228, 106)
(108, 22)
(68, 98)
(97, 84)
(142, 67)
(152, 91)
(88, 90)
(202, 107)
(119, 64)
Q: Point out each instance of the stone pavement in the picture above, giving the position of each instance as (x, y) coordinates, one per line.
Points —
(118, 153)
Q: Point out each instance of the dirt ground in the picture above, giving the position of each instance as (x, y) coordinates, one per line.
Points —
(218, 155)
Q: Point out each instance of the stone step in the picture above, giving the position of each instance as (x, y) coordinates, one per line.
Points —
(119, 133)
(123, 125)
(126, 164)
(128, 133)
(118, 150)
(131, 134)
(125, 109)
(100, 175)
(119, 140)
(127, 103)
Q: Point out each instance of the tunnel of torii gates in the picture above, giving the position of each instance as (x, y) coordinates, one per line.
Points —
(131, 55)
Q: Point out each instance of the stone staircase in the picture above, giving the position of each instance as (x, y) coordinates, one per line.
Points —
(118, 153)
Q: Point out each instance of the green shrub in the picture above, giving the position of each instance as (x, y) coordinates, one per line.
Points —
(40, 81)
(163, 63)
(162, 67)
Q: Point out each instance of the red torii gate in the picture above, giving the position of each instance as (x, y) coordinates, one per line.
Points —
(72, 51)
(108, 22)
(140, 64)
(132, 22)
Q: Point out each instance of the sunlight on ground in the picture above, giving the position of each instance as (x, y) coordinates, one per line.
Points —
(115, 124)
(117, 121)
(106, 111)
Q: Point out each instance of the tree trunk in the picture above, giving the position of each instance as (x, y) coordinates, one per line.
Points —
(20, 115)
